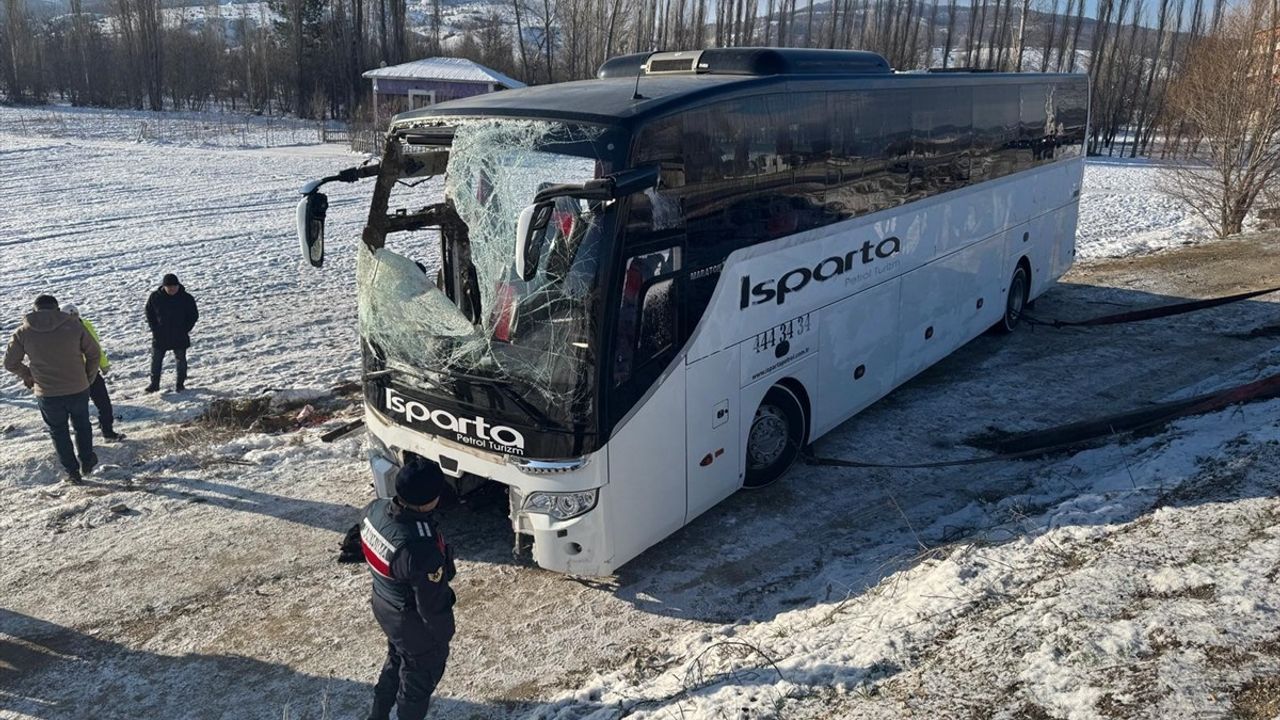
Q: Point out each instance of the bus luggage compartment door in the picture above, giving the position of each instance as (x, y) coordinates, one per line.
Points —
(940, 304)
(859, 353)
(714, 459)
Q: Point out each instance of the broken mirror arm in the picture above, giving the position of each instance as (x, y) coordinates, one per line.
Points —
(531, 229)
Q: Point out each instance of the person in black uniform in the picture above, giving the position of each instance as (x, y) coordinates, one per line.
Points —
(411, 567)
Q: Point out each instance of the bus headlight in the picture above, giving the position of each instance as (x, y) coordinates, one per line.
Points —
(561, 506)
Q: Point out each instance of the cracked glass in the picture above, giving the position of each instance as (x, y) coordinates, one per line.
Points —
(438, 289)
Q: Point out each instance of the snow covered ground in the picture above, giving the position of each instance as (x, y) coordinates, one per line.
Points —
(1123, 212)
(188, 129)
(195, 578)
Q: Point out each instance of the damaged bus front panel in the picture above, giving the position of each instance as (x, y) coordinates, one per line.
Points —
(469, 364)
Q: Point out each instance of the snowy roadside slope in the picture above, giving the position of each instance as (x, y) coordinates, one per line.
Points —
(1127, 581)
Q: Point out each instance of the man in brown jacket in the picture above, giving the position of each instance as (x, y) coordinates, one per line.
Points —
(62, 361)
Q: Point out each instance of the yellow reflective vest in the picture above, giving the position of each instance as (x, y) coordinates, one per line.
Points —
(103, 362)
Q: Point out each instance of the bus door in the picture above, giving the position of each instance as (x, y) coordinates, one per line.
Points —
(646, 403)
(715, 456)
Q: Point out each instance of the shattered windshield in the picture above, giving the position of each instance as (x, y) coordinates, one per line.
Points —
(438, 288)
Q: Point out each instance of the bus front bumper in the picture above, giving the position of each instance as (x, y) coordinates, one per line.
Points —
(563, 512)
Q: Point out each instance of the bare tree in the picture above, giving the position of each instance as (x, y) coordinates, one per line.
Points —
(977, 17)
(548, 37)
(951, 31)
(1022, 34)
(524, 56)
(1229, 99)
(1075, 37)
(16, 54)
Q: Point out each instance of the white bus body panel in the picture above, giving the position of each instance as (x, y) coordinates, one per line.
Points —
(927, 230)
(647, 454)
(859, 355)
(714, 465)
(940, 304)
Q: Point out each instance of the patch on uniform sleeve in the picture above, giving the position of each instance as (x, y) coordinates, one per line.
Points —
(378, 551)
(436, 576)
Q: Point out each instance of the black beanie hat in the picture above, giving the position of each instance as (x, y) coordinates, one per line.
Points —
(169, 279)
(46, 302)
(419, 482)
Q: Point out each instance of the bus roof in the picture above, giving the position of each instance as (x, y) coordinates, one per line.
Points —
(628, 101)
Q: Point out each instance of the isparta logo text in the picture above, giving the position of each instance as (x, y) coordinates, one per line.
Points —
(473, 430)
(796, 280)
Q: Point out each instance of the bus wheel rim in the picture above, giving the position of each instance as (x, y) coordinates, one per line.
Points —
(1017, 297)
(769, 435)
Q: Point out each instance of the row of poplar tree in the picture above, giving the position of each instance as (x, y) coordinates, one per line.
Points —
(305, 57)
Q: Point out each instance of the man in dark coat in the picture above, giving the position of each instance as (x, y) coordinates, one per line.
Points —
(171, 313)
(411, 567)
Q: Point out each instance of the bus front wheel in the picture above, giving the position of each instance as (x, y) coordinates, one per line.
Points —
(1016, 301)
(775, 438)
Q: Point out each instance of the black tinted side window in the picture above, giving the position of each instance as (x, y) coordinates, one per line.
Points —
(845, 170)
(942, 129)
(1070, 115)
(802, 139)
(1033, 119)
(884, 127)
(659, 209)
(996, 117)
(731, 150)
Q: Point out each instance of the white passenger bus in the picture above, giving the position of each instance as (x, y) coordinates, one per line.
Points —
(626, 298)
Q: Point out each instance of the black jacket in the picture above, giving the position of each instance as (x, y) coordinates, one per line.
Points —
(412, 566)
(171, 318)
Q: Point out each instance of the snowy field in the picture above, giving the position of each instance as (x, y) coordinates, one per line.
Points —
(1123, 213)
(195, 578)
(188, 129)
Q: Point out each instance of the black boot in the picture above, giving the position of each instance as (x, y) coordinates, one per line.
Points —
(154, 386)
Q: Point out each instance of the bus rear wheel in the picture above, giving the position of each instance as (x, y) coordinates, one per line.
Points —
(1016, 301)
(775, 438)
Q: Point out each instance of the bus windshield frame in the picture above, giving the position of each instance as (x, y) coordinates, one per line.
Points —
(442, 311)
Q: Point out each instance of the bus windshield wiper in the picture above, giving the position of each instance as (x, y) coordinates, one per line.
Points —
(539, 417)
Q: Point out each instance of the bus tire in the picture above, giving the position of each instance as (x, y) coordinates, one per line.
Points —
(1015, 302)
(775, 438)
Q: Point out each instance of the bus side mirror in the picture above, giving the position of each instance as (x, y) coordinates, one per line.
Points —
(311, 212)
(531, 233)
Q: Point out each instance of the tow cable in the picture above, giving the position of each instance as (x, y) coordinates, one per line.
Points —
(1079, 435)
(1152, 313)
